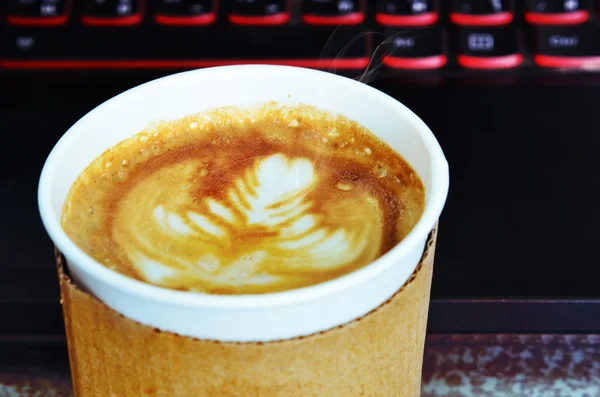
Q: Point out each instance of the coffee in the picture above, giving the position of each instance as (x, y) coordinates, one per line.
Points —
(237, 201)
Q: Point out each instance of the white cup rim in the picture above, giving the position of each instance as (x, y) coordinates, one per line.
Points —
(437, 197)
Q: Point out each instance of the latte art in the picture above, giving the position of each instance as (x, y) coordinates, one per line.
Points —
(264, 230)
(244, 202)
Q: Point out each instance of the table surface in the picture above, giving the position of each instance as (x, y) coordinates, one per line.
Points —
(488, 365)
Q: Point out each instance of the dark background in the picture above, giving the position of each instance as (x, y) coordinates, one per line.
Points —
(518, 237)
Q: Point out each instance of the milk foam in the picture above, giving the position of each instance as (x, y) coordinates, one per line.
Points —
(238, 201)
(263, 230)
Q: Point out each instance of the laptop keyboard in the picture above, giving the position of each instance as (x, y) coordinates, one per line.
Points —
(400, 35)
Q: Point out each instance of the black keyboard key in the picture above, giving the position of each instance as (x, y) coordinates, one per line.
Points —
(154, 48)
(38, 12)
(259, 12)
(489, 48)
(112, 12)
(333, 12)
(570, 47)
(557, 12)
(23, 44)
(415, 48)
(185, 12)
(406, 12)
(33, 49)
(482, 12)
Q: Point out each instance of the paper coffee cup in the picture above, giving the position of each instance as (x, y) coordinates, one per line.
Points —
(245, 318)
(377, 355)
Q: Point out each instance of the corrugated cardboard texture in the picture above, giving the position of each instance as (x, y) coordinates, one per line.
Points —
(378, 355)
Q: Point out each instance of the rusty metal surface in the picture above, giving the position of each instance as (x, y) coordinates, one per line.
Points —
(512, 365)
(455, 366)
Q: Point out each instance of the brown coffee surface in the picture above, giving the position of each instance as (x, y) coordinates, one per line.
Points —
(238, 201)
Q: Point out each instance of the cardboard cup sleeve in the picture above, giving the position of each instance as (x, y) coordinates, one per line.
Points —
(377, 355)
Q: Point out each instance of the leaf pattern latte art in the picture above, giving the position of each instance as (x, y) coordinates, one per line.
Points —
(264, 230)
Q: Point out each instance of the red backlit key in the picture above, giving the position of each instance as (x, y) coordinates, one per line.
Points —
(38, 12)
(259, 12)
(406, 12)
(489, 48)
(557, 12)
(185, 12)
(481, 12)
(333, 12)
(415, 49)
(112, 12)
(568, 47)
